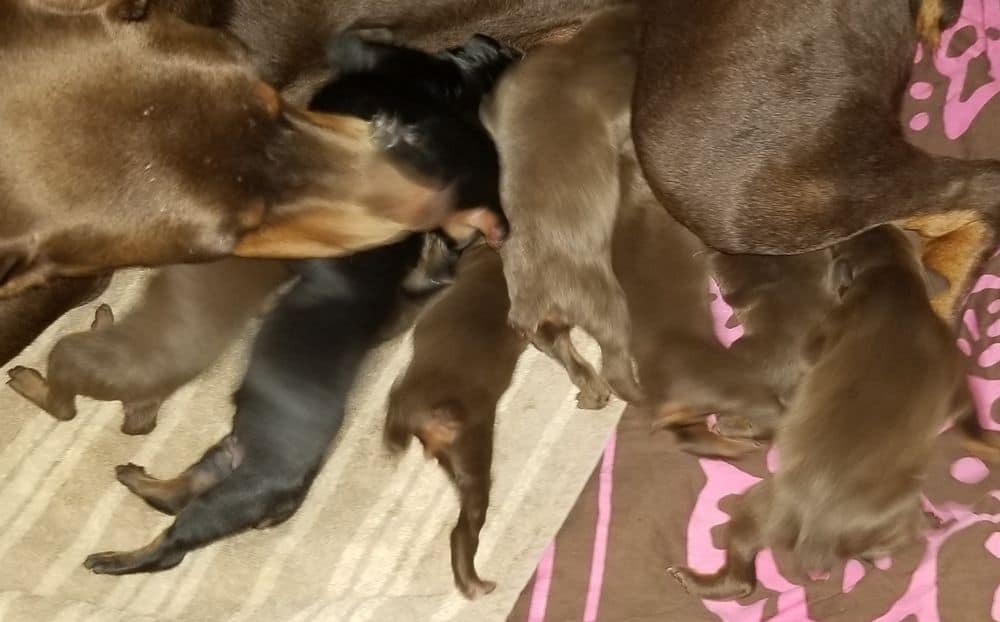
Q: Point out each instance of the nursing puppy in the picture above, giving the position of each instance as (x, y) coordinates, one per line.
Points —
(464, 354)
(192, 313)
(686, 373)
(288, 410)
(857, 437)
(560, 119)
(186, 318)
(436, 97)
(778, 302)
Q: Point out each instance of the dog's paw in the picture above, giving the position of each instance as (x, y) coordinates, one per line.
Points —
(591, 399)
(127, 474)
(476, 589)
(103, 317)
(680, 574)
(109, 562)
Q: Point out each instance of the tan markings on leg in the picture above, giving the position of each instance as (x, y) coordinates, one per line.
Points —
(929, 22)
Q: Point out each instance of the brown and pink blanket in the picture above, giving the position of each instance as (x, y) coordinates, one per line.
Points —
(647, 504)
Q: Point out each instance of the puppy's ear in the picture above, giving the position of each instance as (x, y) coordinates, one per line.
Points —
(484, 55)
(348, 53)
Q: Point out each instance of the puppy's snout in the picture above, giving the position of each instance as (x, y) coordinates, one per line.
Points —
(269, 99)
(464, 224)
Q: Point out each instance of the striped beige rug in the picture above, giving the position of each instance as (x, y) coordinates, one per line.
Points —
(369, 544)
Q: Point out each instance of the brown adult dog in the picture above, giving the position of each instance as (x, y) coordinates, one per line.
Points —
(560, 120)
(682, 366)
(772, 127)
(464, 355)
(857, 438)
(188, 315)
(163, 145)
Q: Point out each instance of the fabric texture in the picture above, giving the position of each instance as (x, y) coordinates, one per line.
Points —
(369, 543)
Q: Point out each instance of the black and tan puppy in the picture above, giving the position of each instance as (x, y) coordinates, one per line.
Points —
(186, 318)
(560, 120)
(464, 354)
(288, 410)
(191, 313)
(436, 97)
(686, 373)
(857, 437)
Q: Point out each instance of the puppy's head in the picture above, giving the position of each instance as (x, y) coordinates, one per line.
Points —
(481, 61)
(883, 246)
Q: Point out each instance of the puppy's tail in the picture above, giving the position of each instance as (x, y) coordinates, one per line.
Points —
(398, 431)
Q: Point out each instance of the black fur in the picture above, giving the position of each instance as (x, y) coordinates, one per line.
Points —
(435, 99)
(289, 407)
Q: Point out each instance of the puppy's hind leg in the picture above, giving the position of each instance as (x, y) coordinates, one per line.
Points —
(467, 461)
(173, 495)
(240, 502)
(737, 577)
(554, 340)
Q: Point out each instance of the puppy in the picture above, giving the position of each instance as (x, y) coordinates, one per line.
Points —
(560, 119)
(778, 301)
(464, 355)
(685, 371)
(436, 97)
(187, 316)
(288, 410)
(857, 437)
(192, 313)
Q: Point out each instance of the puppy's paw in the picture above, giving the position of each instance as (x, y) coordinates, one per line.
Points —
(129, 473)
(103, 317)
(108, 562)
(31, 385)
(593, 398)
(681, 575)
(476, 589)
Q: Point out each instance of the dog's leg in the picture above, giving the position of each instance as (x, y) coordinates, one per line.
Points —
(698, 440)
(554, 340)
(737, 577)
(173, 495)
(52, 396)
(140, 417)
(467, 461)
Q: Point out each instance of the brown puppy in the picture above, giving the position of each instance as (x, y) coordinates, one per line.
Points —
(464, 355)
(772, 127)
(682, 366)
(560, 120)
(857, 438)
(179, 152)
(188, 315)
(778, 301)
(25, 317)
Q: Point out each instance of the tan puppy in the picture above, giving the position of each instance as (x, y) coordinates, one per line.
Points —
(188, 315)
(857, 437)
(683, 368)
(464, 355)
(560, 119)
